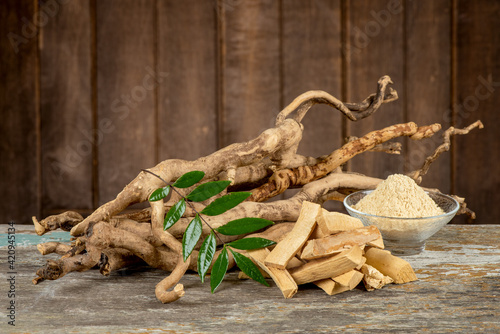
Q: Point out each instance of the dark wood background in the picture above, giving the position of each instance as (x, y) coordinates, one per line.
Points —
(93, 91)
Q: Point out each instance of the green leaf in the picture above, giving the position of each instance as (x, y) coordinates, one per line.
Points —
(191, 236)
(174, 214)
(206, 255)
(248, 267)
(189, 179)
(251, 243)
(224, 203)
(243, 226)
(219, 269)
(159, 194)
(206, 190)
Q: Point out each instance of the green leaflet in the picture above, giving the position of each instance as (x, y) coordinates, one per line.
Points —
(224, 203)
(251, 243)
(191, 236)
(248, 267)
(206, 190)
(243, 226)
(206, 255)
(174, 214)
(159, 194)
(189, 179)
(219, 269)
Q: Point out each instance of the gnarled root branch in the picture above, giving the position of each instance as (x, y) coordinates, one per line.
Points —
(56, 269)
(161, 290)
(274, 148)
(444, 147)
(286, 178)
(116, 258)
(65, 221)
(53, 247)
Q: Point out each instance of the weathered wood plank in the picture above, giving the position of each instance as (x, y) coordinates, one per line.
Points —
(66, 108)
(428, 27)
(19, 101)
(250, 96)
(312, 61)
(126, 91)
(458, 281)
(477, 155)
(187, 105)
(375, 49)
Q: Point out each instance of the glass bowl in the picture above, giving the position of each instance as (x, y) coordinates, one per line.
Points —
(405, 236)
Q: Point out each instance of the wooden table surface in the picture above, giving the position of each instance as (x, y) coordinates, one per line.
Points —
(458, 291)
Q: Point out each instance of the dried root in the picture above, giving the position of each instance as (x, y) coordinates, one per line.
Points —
(266, 166)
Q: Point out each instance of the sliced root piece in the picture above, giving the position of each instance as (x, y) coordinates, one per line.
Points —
(395, 267)
(293, 242)
(332, 244)
(335, 222)
(328, 267)
(281, 277)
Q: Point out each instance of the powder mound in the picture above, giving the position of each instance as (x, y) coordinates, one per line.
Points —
(399, 196)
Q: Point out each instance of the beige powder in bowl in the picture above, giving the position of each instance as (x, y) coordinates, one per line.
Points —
(399, 196)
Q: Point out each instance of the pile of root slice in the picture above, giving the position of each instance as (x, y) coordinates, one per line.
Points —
(266, 166)
(332, 250)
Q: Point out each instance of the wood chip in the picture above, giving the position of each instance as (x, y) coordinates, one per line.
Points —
(327, 267)
(350, 279)
(379, 243)
(286, 249)
(339, 242)
(281, 277)
(335, 222)
(330, 287)
(396, 268)
(374, 279)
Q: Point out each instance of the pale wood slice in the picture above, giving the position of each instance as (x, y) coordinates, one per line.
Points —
(328, 267)
(396, 268)
(350, 279)
(293, 242)
(281, 277)
(339, 242)
(334, 222)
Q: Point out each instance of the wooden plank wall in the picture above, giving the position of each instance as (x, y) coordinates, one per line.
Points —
(93, 91)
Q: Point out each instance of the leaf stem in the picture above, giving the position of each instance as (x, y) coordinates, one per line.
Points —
(188, 203)
(154, 174)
